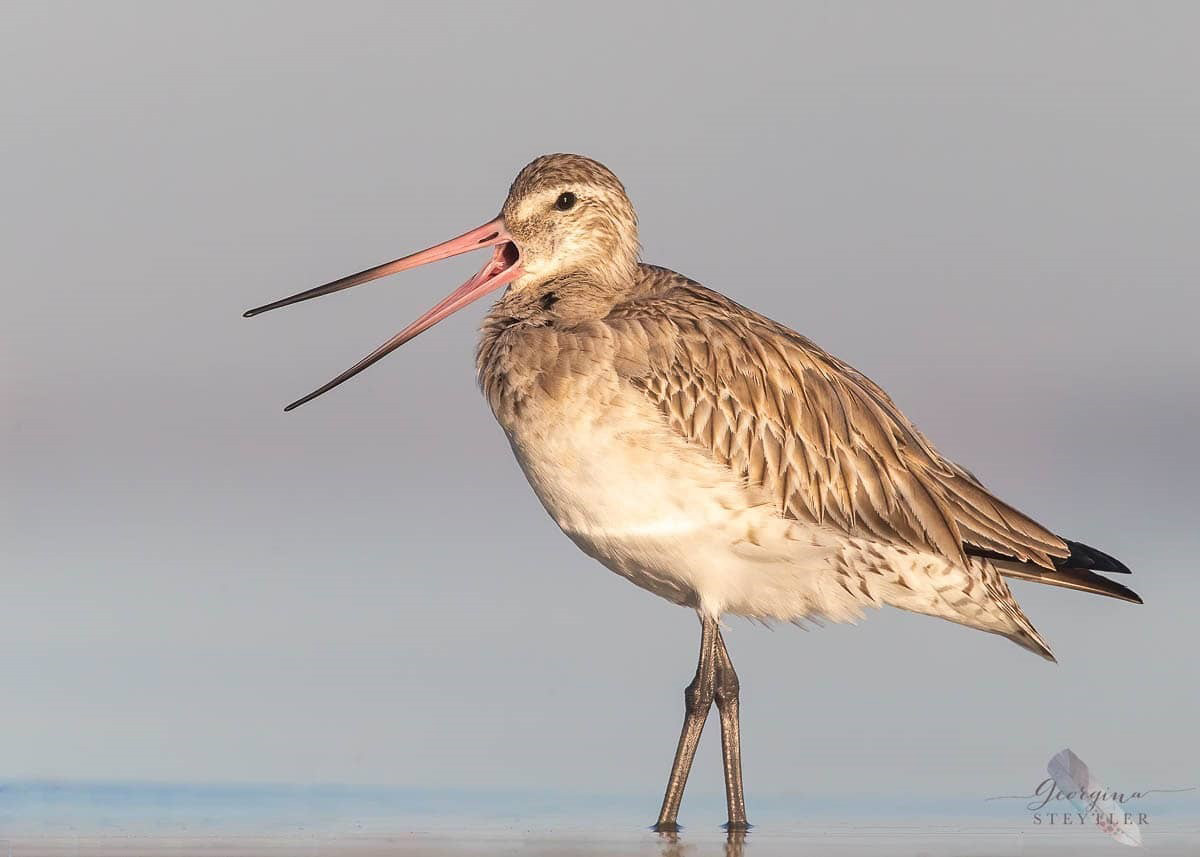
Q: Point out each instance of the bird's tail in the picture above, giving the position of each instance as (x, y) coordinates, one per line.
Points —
(1077, 571)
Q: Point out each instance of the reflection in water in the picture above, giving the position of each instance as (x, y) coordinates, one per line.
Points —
(735, 844)
(670, 844)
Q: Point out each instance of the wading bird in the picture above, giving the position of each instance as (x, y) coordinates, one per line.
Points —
(713, 456)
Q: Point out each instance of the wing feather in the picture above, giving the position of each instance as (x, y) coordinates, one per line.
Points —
(822, 439)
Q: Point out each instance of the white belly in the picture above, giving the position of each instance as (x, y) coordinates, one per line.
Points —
(661, 513)
(637, 497)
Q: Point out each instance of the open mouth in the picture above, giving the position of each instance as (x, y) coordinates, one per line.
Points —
(501, 269)
(505, 256)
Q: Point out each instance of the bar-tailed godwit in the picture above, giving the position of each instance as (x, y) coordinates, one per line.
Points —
(713, 456)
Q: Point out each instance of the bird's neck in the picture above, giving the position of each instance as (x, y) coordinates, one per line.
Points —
(568, 298)
(527, 327)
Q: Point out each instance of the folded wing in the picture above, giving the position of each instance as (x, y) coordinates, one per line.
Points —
(823, 440)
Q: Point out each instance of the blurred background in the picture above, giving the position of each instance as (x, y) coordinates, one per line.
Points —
(991, 209)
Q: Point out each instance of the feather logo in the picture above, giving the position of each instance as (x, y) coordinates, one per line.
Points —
(1088, 795)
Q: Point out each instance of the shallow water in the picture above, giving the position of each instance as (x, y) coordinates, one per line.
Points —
(881, 842)
(182, 820)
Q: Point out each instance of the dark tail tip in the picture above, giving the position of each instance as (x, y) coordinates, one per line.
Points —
(1093, 559)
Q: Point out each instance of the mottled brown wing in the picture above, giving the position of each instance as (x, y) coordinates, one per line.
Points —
(822, 439)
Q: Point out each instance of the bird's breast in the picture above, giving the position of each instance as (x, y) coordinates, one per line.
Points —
(624, 486)
(586, 440)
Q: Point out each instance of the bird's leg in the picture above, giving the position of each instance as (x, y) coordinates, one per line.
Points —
(725, 692)
(697, 700)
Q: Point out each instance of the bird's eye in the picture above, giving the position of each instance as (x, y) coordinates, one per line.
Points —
(565, 201)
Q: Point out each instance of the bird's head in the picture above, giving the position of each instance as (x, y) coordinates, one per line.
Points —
(566, 216)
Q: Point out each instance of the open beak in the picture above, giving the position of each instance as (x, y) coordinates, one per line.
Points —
(502, 268)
